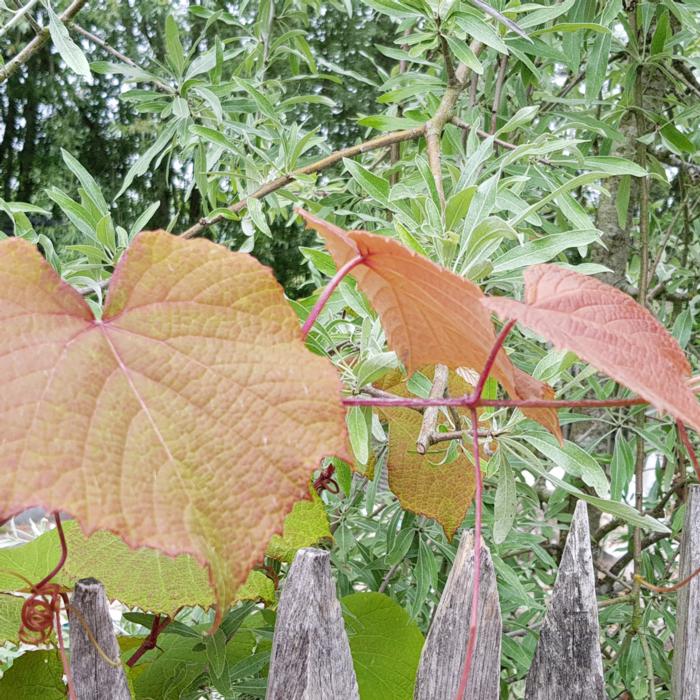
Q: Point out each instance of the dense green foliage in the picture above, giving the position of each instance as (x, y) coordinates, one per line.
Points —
(577, 145)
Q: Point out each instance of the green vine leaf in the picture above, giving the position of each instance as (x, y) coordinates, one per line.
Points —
(35, 674)
(305, 526)
(385, 644)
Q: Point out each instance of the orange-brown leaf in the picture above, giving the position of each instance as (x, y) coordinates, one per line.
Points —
(430, 315)
(610, 330)
(421, 483)
(188, 419)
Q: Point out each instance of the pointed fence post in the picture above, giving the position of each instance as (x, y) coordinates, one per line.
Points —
(443, 654)
(93, 677)
(686, 652)
(568, 663)
(310, 652)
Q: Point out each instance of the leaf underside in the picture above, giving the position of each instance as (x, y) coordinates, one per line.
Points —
(430, 315)
(609, 329)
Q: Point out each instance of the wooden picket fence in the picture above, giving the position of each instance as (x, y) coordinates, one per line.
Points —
(311, 655)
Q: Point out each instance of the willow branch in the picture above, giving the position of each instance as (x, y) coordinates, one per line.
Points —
(327, 162)
(456, 82)
(118, 55)
(485, 134)
(430, 414)
(500, 79)
(37, 42)
(16, 18)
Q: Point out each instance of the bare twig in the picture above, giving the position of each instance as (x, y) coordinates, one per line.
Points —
(430, 414)
(37, 42)
(16, 18)
(500, 79)
(118, 55)
(276, 184)
(500, 18)
(485, 134)
(389, 575)
(626, 558)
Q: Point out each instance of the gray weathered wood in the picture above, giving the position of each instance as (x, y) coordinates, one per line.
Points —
(442, 658)
(568, 662)
(686, 653)
(93, 677)
(310, 651)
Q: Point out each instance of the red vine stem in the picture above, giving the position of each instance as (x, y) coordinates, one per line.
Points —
(325, 295)
(491, 359)
(41, 611)
(64, 658)
(478, 507)
(64, 552)
(667, 589)
(151, 641)
(476, 575)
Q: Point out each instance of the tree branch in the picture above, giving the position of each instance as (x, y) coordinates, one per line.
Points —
(500, 79)
(18, 16)
(430, 414)
(118, 55)
(327, 162)
(37, 42)
(433, 127)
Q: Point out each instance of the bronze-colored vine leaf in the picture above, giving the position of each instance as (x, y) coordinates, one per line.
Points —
(423, 483)
(430, 315)
(609, 329)
(189, 418)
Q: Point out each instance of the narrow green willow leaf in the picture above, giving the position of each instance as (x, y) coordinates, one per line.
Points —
(464, 54)
(215, 647)
(173, 45)
(86, 180)
(382, 122)
(621, 467)
(70, 52)
(358, 431)
(574, 460)
(374, 185)
(621, 510)
(140, 167)
(543, 249)
(597, 65)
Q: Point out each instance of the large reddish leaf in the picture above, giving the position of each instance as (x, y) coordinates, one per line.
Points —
(189, 418)
(430, 315)
(423, 483)
(610, 330)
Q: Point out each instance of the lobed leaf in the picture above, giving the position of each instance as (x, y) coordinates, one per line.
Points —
(385, 645)
(607, 328)
(430, 315)
(33, 675)
(425, 484)
(188, 419)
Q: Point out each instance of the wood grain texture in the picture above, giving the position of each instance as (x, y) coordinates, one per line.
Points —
(310, 653)
(686, 653)
(568, 662)
(443, 654)
(93, 677)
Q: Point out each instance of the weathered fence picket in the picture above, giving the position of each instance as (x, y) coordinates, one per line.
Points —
(94, 678)
(443, 654)
(568, 662)
(686, 655)
(310, 653)
(311, 657)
